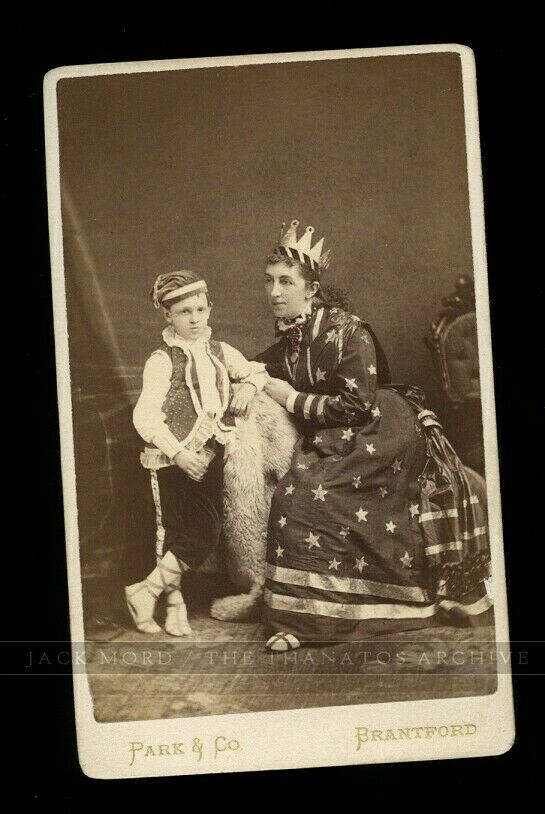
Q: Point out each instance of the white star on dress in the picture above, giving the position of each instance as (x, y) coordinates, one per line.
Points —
(383, 491)
(414, 510)
(344, 532)
(376, 412)
(361, 514)
(372, 370)
(312, 540)
(279, 551)
(282, 522)
(290, 489)
(367, 405)
(370, 449)
(396, 466)
(360, 564)
(356, 481)
(319, 493)
(320, 375)
(318, 439)
(365, 338)
(351, 383)
(330, 336)
(390, 526)
(334, 564)
(406, 560)
(347, 434)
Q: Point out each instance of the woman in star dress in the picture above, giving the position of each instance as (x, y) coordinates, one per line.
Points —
(376, 527)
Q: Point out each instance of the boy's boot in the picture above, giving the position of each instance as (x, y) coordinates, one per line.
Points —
(141, 598)
(171, 569)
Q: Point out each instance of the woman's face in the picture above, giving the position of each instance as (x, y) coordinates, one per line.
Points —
(288, 293)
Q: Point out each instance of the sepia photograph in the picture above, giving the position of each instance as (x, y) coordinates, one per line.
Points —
(273, 357)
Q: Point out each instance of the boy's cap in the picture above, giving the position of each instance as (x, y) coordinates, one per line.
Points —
(175, 285)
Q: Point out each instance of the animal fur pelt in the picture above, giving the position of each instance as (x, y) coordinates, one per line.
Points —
(257, 456)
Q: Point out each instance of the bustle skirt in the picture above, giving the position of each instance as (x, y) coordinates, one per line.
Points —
(377, 529)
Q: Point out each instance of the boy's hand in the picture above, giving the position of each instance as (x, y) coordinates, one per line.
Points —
(242, 398)
(192, 463)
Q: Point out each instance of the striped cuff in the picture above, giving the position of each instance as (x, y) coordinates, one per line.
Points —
(290, 402)
(310, 406)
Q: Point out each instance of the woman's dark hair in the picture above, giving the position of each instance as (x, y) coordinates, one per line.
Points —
(333, 297)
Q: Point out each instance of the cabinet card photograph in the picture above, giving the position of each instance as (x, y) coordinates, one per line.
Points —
(275, 385)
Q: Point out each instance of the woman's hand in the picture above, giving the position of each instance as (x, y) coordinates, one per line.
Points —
(242, 398)
(279, 390)
(192, 463)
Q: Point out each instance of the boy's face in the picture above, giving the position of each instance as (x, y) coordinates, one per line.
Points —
(189, 317)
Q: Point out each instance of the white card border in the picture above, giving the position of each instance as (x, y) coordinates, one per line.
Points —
(284, 738)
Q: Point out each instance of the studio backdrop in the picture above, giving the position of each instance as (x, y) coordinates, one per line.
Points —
(198, 169)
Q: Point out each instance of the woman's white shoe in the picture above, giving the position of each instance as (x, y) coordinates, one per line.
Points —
(176, 619)
(282, 642)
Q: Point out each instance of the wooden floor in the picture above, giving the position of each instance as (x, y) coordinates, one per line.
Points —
(224, 668)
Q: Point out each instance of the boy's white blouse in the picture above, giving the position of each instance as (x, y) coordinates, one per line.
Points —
(148, 416)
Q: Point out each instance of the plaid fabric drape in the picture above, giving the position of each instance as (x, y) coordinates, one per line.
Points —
(453, 517)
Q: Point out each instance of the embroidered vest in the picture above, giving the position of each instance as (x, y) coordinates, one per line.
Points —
(184, 415)
(183, 403)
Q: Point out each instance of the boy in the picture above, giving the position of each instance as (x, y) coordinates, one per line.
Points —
(185, 413)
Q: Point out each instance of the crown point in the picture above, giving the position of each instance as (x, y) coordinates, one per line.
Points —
(289, 237)
(325, 259)
(316, 250)
(304, 244)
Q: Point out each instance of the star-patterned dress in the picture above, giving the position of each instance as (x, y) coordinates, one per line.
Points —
(363, 530)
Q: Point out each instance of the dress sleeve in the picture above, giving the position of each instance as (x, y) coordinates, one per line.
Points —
(354, 386)
(148, 416)
(272, 359)
(241, 370)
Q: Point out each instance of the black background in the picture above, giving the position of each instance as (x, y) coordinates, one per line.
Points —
(42, 745)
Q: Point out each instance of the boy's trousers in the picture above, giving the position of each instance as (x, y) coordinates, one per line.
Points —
(188, 513)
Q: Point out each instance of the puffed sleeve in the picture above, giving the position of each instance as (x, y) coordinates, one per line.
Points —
(241, 370)
(148, 417)
(354, 385)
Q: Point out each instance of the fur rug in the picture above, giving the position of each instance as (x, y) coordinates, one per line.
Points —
(257, 456)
